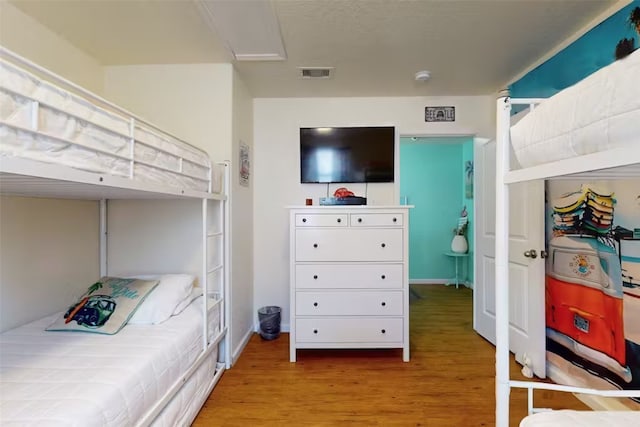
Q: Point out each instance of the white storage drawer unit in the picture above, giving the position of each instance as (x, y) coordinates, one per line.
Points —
(349, 278)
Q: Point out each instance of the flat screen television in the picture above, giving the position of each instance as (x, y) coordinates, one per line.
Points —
(347, 154)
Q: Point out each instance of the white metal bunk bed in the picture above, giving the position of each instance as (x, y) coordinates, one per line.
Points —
(591, 130)
(58, 140)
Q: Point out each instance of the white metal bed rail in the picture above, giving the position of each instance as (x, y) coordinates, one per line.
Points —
(129, 120)
(531, 386)
(84, 93)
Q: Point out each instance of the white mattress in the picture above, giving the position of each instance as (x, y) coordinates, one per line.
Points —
(566, 418)
(599, 113)
(82, 379)
(76, 132)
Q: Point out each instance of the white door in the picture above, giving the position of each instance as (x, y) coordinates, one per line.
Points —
(526, 274)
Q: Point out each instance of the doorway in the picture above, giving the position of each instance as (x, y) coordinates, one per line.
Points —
(436, 177)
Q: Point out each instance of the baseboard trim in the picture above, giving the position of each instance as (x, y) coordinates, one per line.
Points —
(466, 283)
(240, 348)
(428, 281)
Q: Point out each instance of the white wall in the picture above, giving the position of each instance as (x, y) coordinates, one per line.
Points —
(48, 248)
(154, 236)
(30, 39)
(208, 106)
(191, 101)
(242, 210)
(49, 255)
(277, 175)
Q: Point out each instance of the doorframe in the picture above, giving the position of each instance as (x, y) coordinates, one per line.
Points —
(477, 141)
(477, 145)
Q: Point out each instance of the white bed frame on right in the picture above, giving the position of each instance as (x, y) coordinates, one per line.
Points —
(610, 164)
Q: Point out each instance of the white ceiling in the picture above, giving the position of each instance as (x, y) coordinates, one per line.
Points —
(471, 47)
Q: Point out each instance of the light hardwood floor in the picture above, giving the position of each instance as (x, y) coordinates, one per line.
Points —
(448, 382)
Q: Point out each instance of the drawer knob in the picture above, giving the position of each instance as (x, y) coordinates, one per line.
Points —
(315, 277)
(384, 331)
(339, 219)
(395, 219)
(383, 245)
(315, 245)
(359, 219)
(383, 277)
(384, 303)
(315, 331)
(315, 304)
(304, 219)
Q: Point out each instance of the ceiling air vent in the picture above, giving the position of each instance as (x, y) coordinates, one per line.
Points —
(316, 72)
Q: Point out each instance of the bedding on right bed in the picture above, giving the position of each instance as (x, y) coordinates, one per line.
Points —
(599, 113)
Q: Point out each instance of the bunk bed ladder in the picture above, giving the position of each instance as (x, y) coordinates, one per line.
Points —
(226, 274)
(215, 271)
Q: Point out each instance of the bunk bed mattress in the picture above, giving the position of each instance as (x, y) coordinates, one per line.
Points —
(81, 379)
(567, 418)
(599, 113)
(67, 129)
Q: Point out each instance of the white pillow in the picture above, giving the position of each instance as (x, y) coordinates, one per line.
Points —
(161, 303)
(195, 293)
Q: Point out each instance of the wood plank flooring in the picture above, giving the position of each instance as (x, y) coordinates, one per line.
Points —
(448, 382)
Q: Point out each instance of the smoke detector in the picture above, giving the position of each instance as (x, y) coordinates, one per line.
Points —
(423, 76)
(316, 72)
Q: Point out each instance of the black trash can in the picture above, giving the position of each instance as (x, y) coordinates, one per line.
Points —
(269, 318)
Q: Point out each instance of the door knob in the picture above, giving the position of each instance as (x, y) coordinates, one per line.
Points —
(531, 253)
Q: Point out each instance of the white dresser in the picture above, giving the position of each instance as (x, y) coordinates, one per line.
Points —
(349, 277)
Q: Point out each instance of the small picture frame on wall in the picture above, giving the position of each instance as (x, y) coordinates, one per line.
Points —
(439, 114)
(468, 179)
(244, 165)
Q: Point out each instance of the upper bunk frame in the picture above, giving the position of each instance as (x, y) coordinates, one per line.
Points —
(26, 176)
(611, 164)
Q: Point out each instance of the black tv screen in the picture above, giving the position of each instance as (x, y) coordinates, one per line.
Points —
(347, 154)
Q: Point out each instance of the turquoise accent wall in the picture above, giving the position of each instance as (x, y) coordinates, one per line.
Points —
(581, 58)
(432, 179)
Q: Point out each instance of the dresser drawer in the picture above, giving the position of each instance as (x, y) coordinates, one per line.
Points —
(344, 276)
(353, 303)
(322, 220)
(349, 330)
(348, 244)
(376, 220)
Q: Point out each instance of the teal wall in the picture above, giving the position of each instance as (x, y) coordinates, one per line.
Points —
(432, 179)
(581, 58)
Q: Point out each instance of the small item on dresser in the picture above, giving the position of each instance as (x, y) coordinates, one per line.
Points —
(308, 202)
(343, 192)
